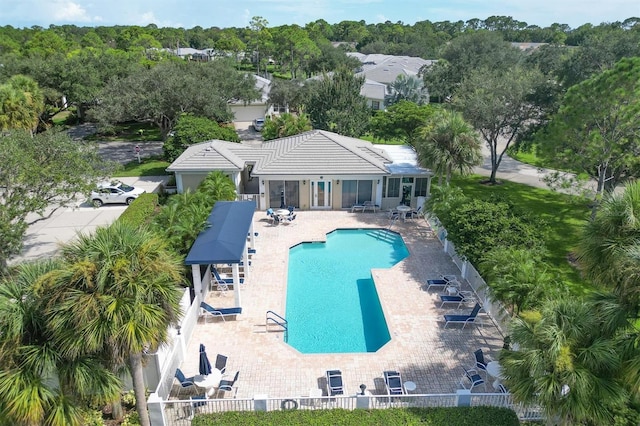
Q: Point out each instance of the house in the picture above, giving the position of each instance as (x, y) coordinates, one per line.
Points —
(382, 70)
(312, 170)
(257, 108)
(386, 68)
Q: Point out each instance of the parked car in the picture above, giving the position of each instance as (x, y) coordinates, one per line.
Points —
(258, 124)
(114, 192)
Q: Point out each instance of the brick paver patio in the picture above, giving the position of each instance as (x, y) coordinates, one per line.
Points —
(420, 348)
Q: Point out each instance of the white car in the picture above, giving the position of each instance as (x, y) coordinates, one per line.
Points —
(113, 193)
(258, 124)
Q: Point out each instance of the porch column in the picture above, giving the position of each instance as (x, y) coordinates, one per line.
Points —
(236, 283)
(245, 257)
(252, 237)
(197, 280)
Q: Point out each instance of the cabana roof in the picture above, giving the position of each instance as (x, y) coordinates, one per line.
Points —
(224, 239)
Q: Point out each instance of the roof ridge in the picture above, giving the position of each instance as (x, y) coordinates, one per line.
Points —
(357, 143)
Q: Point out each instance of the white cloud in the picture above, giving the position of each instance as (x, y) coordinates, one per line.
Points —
(68, 11)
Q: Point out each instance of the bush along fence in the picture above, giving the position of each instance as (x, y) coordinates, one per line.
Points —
(468, 272)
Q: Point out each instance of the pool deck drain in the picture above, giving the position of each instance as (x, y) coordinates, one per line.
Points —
(420, 348)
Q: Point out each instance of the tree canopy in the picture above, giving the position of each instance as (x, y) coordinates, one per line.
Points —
(161, 94)
(38, 175)
(596, 129)
(190, 130)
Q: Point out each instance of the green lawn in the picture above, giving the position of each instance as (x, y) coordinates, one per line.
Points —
(564, 215)
(148, 167)
(133, 132)
(370, 138)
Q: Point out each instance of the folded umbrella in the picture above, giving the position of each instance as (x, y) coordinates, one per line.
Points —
(205, 365)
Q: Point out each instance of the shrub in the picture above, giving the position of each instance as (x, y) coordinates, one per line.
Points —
(451, 416)
(141, 211)
(191, 130)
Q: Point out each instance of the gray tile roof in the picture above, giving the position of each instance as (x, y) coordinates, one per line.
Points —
(313, 152)
(373, 90)
(386, 68)
(320, 152)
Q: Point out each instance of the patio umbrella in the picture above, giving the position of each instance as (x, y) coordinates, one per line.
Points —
(205, 365)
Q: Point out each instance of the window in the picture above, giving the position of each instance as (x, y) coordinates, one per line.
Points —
(393, 187)
(420, 187)
(289, 189)
(356, 192)
(375, 105)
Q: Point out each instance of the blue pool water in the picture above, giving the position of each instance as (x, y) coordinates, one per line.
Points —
(332, 302)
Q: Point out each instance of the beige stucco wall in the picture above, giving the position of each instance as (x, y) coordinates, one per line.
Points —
(191, 181)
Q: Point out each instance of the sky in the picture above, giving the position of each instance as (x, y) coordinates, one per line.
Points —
(238, 13)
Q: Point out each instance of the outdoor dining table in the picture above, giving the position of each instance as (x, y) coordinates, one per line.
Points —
(209, 381)
(403, 211)
(282, 212)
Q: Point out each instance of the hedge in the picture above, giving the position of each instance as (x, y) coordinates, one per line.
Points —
(450, 416)
(141, 210)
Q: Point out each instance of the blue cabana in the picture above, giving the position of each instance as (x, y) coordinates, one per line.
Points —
(224, 241)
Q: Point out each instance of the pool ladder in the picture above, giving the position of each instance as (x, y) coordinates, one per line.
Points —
(278, 320)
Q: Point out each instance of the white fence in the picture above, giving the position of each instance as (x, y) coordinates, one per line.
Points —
(180, 413)
(468, 272)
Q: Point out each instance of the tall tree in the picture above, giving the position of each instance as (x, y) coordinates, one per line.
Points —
(337, 105)
(609, 247)
(517, 277)
(596, 128)
(260, 39)
(190, 130)
(21, 103)
(466, 53)
(119, 289)
(164, 92)
(570, 360)
(39, 175)
(499, 105)
(447, 145)
(42, 382)
(401, 121)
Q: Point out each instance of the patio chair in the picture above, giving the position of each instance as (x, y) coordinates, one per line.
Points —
(481, 363)
(221, 363)
(369, 205)
(291, 217)
(218, 278)
(414, 214)
(356, 207)
(334, 383)
(443, 281)
(393, 383)
(208, 310)
(463, 319)
(185, 382)
(471, 375)
(461, 298)
(228, 385)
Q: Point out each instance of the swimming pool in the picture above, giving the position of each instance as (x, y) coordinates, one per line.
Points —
(332, 302)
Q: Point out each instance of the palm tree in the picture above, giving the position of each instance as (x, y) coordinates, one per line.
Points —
(218, 186)
(609, 248)
(570, 360)
(41, 382)
(517, 277)
(182, 219)
(409, 88)
(449, 144)
(285, 125)
(119, 288)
